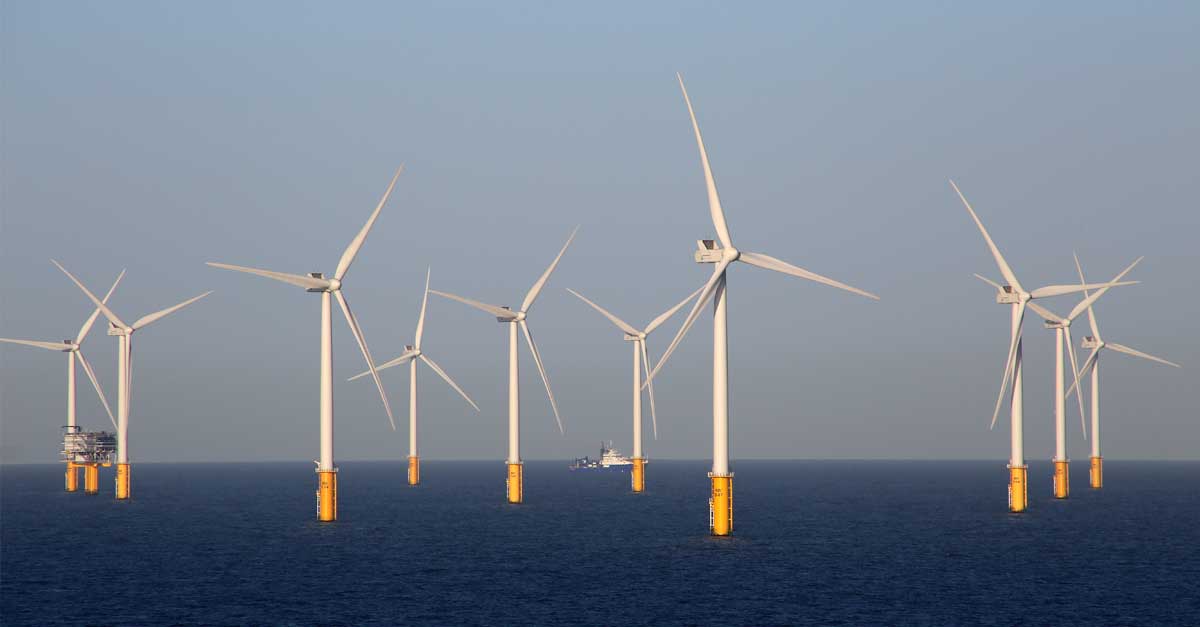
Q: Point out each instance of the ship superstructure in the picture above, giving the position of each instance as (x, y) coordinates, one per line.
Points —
(610, 459)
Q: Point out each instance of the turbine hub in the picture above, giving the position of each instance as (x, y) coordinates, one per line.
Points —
(520, 316)
(334, 285)
(731, 254)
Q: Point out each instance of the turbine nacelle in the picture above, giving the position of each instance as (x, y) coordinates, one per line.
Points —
(1091, 342)
(1008, 295)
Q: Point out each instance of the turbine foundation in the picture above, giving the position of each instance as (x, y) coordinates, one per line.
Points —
(1097, 472)
(516, 482)
(72, 477)
(327, 495)
(122, 482)
(639, 474)
(91, 479)
(1018, 489)
(720, 506)
(1062, 479)
(414, 470)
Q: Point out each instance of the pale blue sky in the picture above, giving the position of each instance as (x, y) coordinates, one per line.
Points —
(155, 137)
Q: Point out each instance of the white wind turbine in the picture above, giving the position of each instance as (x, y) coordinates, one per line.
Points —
(74, 352)
(721, 504)
(1062, 336)
(1094, 342)
(640, 357)
(124, 333)
(1015, 295)
(516, 481)
(329, 289)
(410, 356)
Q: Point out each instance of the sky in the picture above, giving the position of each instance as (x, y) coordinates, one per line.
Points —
(154, 137)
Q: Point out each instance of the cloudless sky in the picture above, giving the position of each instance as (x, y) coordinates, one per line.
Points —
(157, 136)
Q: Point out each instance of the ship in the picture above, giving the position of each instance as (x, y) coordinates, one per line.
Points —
(610, 459)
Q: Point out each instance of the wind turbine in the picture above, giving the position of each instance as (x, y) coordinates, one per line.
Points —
(329, 289)
(74, 352)
(515, 484)
(640, 357)
(1062, 336)
(410, 356)
(721, 504)
(124, 333)
(1015, 295)
(1094, 342)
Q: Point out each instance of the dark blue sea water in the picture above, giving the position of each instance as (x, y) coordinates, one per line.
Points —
(817, 543)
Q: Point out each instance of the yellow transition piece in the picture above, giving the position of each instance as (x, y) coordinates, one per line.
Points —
(639, 474)
(327, 495)
(1097, 472)
(516, 483)
(122, 481)
(1062, 479)
(720, 506)
(1018, 489)
(414, 470)
(72, 477)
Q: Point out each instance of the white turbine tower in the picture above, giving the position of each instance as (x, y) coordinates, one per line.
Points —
(721, 504)
(640, 357)
(1094, 342)
(1015, 295)
(410, 356)
(124, 333)
(516, 480)
(1062, 336)
(74, 352)
(329, 289)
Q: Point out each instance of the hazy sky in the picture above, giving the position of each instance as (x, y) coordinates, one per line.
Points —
(156, 137)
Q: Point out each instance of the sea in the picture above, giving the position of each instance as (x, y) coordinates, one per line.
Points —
(815, 543)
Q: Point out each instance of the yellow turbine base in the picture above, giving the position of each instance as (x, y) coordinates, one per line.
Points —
(327, 495)
(1097, 472)
(720, 506)
(72, 477)
(516, 483)
(122, 481)
(1018, 488)
(414, 470)
(91, 479)
(1062, 479)
(639, 474)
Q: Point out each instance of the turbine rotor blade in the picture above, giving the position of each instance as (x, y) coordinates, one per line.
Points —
(1087, 365)
(1009, 365)
(159, 315)
(108, 313)
(989, 281)
(1121, 348)
(1091, 315)
(1086, 303)
(666, 315)
(87, 325)
(61, 347)
(300, 280)
(362, 345)
(1060, 290)
(499, 312)
(1046, 314)
(537, 359)
(1078, 388)
(402, 359)
(421, 318)
(770, 263)
(650, 386)
(541, 282)
(706, 292)
(710, 184)
(356, 244)
(1000, 262)
(442, 373)
(91, 374)
(621, 324)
